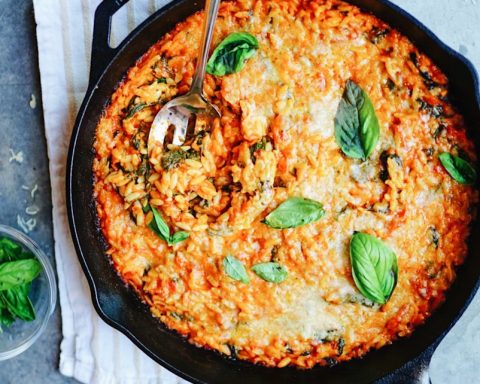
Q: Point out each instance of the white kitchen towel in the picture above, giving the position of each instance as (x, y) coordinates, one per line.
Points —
(91, 351)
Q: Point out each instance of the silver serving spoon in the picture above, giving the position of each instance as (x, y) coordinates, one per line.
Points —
(176, 120)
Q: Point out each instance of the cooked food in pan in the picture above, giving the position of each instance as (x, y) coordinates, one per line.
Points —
(321, 216)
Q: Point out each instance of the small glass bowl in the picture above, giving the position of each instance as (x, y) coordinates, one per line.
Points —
(43, 294)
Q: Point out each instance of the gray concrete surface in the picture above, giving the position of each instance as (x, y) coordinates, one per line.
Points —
(457, 360)
(21, 129)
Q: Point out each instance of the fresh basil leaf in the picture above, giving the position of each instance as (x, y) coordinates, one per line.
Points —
(460, 169)
(6, 318)
(14, 273)
(374, 267)
(271, 272)
(24, 256)
(294, 212)
(160, 227)
(178, 237)
(5, 256)
(9, 250)
(357, 129)
(18, 303)
(232, 53)
(235, 269)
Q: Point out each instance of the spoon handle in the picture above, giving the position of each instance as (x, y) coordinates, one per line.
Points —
(211, 11)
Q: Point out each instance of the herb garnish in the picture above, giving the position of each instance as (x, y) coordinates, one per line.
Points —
(161, 229)
(357, 129)
(235, 269)
(458, 168)
(17, 270)
(232, 53)
(295, 212)
(374, 267)
(271, 272)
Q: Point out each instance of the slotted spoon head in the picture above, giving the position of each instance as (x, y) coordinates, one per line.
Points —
(179, 120)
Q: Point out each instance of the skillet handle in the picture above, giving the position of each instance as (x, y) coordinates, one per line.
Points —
(102, 53)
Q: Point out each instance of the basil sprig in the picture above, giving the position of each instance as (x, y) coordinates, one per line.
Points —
(271, 272)
(18, 303)
(232, 53)
(161, 229)
(15, 273)
(18, 269)
(357, 129)
(374, 267)
(235, 269)
(295, 212)
(460, 169)
(11, 251)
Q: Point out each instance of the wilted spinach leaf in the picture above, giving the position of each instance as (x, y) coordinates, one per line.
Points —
(174, 158)
(135, 109)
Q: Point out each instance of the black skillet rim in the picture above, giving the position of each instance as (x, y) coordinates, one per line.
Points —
(408, 19)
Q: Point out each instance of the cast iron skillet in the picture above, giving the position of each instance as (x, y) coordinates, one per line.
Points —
(119, 306)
